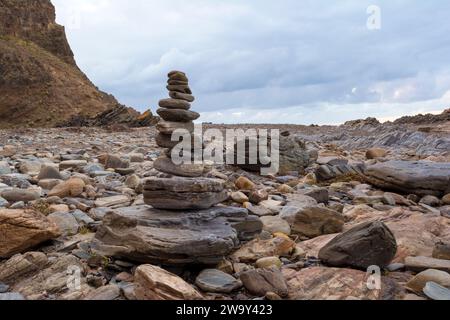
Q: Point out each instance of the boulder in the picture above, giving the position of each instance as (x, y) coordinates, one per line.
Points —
(164, 237)
(413, 177)
(375, 153)
(166, 165)
(365, 245)
(154, 283)
(23, 229)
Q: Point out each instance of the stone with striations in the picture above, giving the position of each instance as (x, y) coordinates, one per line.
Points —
(154, 283)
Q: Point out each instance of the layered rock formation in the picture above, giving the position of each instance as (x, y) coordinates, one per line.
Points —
(40, 83)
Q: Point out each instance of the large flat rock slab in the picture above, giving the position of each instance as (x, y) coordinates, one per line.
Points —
(415, 177)
(147, 235)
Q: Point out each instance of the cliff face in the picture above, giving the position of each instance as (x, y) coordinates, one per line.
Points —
(34, 20)
(40, 83)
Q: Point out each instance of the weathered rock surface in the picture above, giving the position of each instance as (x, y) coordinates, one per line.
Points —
(175, 238)
(23, 229)
(419, 264)
(178, 115)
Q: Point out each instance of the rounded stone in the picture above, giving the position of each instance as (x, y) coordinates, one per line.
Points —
(274, 224)
(169, 127)
(174, 104)
(269, 262)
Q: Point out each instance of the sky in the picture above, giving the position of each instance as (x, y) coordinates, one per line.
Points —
(268, 61)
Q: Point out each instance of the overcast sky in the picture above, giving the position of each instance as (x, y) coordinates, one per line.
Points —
(268, 61)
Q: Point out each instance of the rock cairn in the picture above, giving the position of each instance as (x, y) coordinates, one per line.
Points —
(180, 187)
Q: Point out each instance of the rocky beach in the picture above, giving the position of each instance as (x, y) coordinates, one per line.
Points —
(102, 202)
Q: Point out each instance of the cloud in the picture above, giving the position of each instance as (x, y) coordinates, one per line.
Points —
(264, 59)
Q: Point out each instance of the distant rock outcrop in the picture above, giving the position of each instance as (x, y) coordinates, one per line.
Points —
(40, 83)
